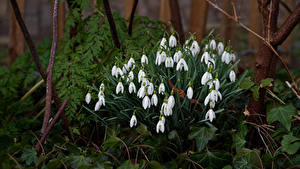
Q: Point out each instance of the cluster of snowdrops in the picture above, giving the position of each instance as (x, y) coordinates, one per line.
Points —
(172, 61)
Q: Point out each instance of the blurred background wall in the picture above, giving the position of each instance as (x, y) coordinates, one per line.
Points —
(196, 15)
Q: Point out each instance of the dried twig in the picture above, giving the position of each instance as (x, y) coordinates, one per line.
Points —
(111, 22)
(47, 130)
(50, 67)
(288, 25)
(132, 16)
(18, 164)
(293, 90)
(38, 63)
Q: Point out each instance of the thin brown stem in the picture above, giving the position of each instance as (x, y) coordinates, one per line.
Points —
(132, 16)
(18, 164)
(50, 67)
(37, 62)
(111, 22)
(61, 109)
(289, 28)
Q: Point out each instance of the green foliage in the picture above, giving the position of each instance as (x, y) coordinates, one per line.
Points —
(283, 114)
(202, 135)
(103, 139)
(290, 144)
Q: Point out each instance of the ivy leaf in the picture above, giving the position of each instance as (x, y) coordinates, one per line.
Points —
(247, 83)
(29, 156)
(247, 159)
(283, 114)
(266, 82)
(212, 159)
(239, 137)
(290, 144)
(202, 135)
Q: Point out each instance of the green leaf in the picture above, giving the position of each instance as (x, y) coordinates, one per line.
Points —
(247, 83)
(283, 114)
(127, 164)
(29, 156)
(154, 165)
(265, 82)
(247, 159)
(290, 144)
(213, 159)
(202, 136)
(142, 129)
(255, 92)
(227, 167)
(239, 137)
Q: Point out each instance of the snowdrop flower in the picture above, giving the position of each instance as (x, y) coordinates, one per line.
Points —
(182, 65)
(171, 101)
(142, 91)
(212, 44)
(130, 63)
(215, 94)
(150, 88)
(160, 127)
(226, 57)
(141, 75)
(145, 81)
(119, 88)
(132, 88)
(161, 88)
(97, 106)
(195, 49)
(205, 47)
(146, 102)
(114, 70)
(165, 108)
(211, 63)
(215, 83)
(154, 99)
(172, 41)
(232, 76)
(133, 120)
(210, 115)
(190, 91)
(124, 70)
(101, 99)
(207, 76)
(163, 43)
(205, 57)
(220, 48)
(102, 87)
(88, 98)
(232, 57)
(130, 76)
(169, 62)
(119, 72)
(211, 100)
(186, 43)
(144, 60)
(160, 57)
(177, 56)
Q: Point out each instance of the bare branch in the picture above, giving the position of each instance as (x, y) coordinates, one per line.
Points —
(111, 22)
(47, 130)
(287, 27)
(132, 16)
(38, 63)
(50, 67)
(261, 38)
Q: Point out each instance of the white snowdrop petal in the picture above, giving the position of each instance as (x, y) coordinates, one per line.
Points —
(88, 98)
